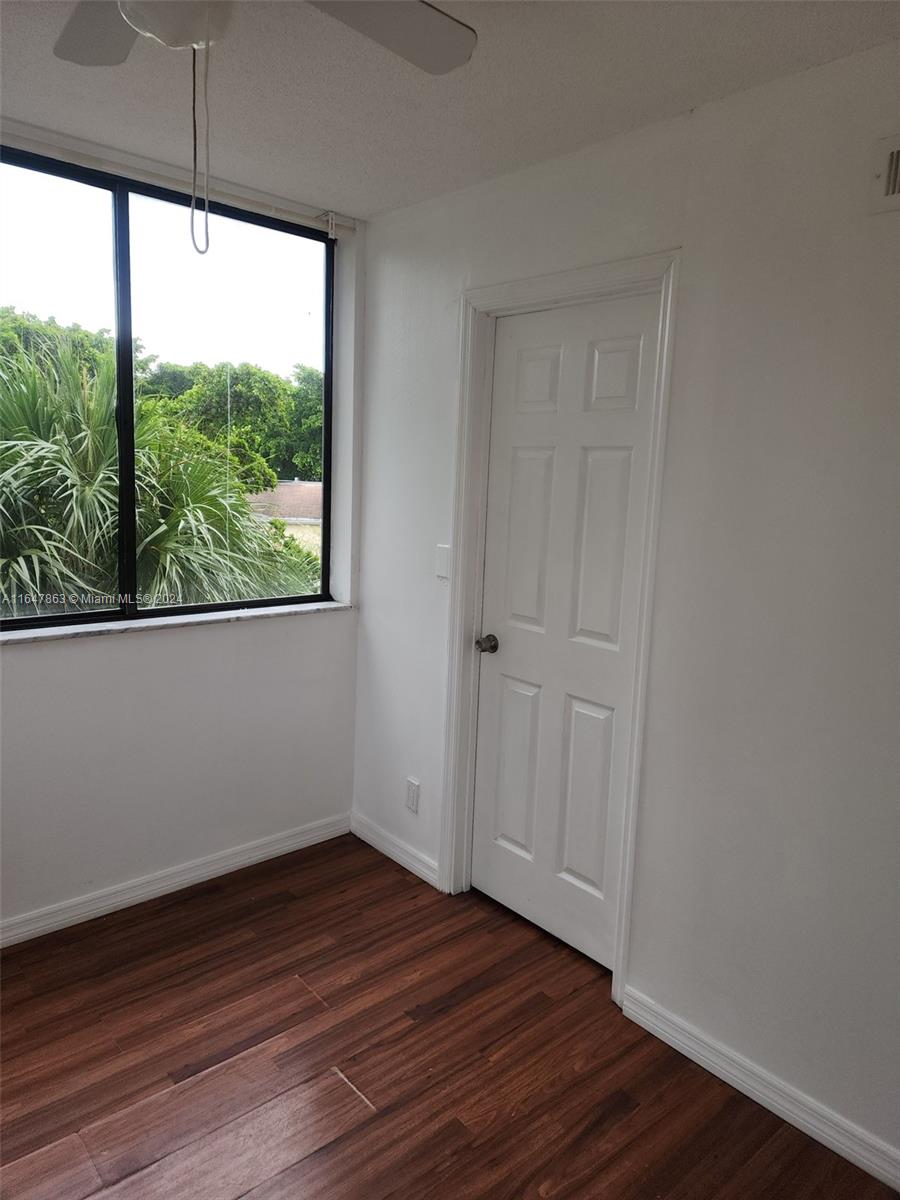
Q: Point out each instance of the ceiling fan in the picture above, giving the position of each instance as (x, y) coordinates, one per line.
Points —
(101, 33)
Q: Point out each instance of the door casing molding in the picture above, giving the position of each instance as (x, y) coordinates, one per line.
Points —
(479, 310)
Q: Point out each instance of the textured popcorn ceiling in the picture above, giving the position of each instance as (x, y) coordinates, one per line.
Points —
(305, 108)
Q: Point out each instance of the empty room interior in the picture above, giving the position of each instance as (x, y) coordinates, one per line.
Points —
(450, 595)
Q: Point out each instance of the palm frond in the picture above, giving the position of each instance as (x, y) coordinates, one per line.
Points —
(198, 539)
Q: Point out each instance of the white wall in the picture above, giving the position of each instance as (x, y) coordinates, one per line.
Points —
(128, 754)
(133, 754)
(767, 876)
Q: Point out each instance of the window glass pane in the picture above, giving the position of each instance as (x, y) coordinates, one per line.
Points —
(58, 455)
(228, 409)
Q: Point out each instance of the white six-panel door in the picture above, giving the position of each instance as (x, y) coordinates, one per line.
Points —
(571, 425)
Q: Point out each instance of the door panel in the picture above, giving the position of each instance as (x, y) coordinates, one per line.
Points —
(537, 378)
(527, 543)
(615, 369)
(601, 523)
(587, 748)
(571, 428)
(516, 762)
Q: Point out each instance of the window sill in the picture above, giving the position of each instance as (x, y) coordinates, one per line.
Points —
(13, 637)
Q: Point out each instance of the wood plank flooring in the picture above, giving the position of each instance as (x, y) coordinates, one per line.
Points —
(325, 1026)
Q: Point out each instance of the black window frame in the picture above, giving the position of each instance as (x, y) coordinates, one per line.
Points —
(120, 188)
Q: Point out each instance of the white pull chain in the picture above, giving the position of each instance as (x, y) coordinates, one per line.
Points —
(228, 459)
(205, 247)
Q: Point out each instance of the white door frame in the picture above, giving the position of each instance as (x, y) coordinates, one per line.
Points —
(480, 309)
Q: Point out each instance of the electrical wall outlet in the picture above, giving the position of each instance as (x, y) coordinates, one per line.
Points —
(412, 795)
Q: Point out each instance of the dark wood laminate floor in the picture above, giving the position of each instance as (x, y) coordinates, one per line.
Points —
(325, 1025)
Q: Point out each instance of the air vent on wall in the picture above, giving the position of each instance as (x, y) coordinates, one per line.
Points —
(886, 175)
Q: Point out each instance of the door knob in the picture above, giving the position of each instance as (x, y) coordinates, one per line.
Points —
(487, 644)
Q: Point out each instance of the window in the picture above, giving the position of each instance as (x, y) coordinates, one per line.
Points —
(165, 415)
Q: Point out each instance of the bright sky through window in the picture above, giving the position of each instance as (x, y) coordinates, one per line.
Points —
(257, 296)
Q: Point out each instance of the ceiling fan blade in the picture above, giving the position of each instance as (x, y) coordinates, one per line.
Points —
(418, 32)
(95, 35)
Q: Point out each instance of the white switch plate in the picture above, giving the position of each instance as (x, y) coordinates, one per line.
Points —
(442, 561)
(412, 795)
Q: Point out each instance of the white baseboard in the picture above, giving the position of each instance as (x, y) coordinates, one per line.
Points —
(874, 1155)
(121, 895)
(402, 852)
